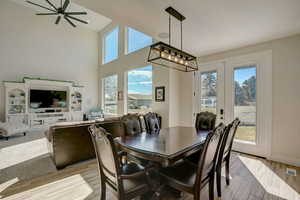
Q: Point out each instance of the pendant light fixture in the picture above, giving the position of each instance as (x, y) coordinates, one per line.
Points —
(168, 56)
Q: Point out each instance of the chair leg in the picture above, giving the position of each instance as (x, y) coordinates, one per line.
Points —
(211, 186)
(6, 138)
(24, 133)
(227, 170)
(103, 190)
(219, 188)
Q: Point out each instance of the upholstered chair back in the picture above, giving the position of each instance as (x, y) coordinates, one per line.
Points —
(205, 121)
(132, 124)
(105, 153)
(209, 154)
(152, 123)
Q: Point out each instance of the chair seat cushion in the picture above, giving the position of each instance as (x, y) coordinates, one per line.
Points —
(136, 185)
(131, 168)
(181, 176)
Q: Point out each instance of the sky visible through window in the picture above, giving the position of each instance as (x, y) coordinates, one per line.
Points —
(111, 46)
(137, 40)
(140, 81)
(243, 74)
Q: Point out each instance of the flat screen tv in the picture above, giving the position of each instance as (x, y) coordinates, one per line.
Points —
(48, 99)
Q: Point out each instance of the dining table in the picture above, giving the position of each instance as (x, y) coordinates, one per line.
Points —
(166, 147)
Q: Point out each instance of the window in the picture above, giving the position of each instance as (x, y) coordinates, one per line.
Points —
(139, 95)
(208, 92)
(245, 102)
(110, 92)
(136, 40)
(111, 46)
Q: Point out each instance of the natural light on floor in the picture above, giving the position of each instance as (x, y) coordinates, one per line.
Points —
(277, 186)
(75, 186)
(10, 156)
(7, 184)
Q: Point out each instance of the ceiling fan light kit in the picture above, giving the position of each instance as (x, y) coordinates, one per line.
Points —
(61, 12)
(168, 56)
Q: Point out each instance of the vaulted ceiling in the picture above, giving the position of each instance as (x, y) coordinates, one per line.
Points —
(211, 25)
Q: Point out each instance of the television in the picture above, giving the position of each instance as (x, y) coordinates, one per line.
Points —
(48, 99)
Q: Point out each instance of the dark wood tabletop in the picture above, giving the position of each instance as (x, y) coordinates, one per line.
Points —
(167, 147)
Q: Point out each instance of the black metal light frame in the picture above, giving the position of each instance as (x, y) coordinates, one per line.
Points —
(168, 56)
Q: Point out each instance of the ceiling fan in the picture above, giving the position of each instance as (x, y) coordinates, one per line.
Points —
(61, 12)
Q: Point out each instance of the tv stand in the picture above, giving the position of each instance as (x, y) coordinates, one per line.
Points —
(18, 105)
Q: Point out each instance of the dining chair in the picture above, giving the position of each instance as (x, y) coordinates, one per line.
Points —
(131, 124)
(225, 153)
(153, 122)
(190, 178)
(205, 121)
(127, 180)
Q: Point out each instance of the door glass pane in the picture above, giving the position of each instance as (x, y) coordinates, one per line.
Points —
(245, 102)
(208, 97)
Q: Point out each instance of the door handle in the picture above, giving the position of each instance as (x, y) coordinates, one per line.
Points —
(221, 113)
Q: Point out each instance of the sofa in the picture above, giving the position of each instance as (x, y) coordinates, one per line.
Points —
(70, 142)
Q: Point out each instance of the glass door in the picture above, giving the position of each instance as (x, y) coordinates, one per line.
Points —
(210, 90)
(241, 88)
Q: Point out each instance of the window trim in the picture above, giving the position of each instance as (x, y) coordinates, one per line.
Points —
(104, 44)
(103, 94)
(127, 41)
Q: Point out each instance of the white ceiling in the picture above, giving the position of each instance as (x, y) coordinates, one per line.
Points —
(96, 21)
(211, 25)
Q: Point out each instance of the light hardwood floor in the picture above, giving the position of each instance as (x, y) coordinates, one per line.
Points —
(251, 179)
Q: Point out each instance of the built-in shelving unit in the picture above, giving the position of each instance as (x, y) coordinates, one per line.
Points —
(18, 105)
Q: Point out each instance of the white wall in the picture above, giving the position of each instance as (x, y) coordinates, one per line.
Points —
(286, 95)
(34, 46)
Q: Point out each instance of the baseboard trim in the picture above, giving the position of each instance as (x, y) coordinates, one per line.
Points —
(283, 159)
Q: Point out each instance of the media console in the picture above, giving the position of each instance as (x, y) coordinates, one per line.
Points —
(19, 109)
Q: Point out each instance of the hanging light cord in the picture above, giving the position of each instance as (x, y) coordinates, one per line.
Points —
(169, 29)
(181, 33)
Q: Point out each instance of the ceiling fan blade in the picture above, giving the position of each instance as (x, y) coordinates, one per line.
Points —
(70, 22)
(58, 20)
(76, 13)
(47, 14)
(51, 4)
(40, 6)
(66, 4)
(79, 20)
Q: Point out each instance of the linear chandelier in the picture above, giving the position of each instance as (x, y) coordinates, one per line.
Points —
(168, 56)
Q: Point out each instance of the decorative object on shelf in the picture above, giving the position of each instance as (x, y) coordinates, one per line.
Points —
(17, 102)
(61, 12)
(76, 101)
(95, 114)
(169, 56)
(160, 94)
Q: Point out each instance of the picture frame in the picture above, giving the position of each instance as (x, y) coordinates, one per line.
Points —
(160, 94)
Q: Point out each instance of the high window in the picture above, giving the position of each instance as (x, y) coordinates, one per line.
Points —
(139, 98)
(137, 40)
(110, 91)
(111, 46)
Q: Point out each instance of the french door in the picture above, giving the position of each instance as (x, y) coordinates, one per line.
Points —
(239, 87)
